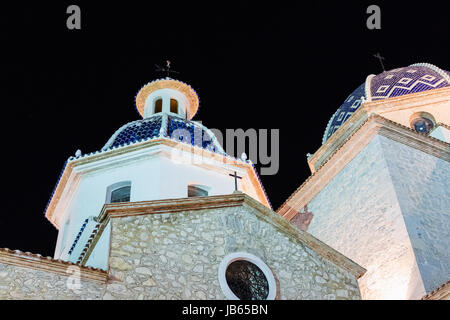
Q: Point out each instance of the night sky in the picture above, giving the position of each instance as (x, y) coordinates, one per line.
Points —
(272, 67)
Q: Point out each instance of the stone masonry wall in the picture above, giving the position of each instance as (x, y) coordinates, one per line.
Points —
(422, 186)
(31, 284)
(388, 210)
(176, 256)
(358, 213)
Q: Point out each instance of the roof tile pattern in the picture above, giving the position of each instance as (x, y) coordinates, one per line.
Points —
(179, 129)
(397, 82)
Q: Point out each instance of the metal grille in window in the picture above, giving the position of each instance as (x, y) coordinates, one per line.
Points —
(247, 281)
(121, 195)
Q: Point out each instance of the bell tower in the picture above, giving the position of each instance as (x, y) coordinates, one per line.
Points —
(165, 155)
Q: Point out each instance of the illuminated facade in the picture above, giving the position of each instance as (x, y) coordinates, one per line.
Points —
(162, 212)
(155, 213)
(164, 155)
(380, 186)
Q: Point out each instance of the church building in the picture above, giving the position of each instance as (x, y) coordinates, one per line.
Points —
(379, 191)
(161, 211)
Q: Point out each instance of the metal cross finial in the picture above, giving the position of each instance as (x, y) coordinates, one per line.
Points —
(379, 57)
(166, 69)
(236, 177)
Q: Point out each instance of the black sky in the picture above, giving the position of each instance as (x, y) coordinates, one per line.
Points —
(276, 66)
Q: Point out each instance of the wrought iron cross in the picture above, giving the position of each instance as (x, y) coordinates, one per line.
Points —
(166, 69)
(236, 177)
(379, 57)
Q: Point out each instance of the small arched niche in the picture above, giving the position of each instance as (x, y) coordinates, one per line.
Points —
(158, 105)
(174, 106)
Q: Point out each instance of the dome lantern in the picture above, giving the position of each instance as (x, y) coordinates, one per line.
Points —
(167, 96)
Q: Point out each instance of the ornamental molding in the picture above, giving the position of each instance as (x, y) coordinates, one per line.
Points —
(416, 100)
(409, 101)
(355, 142)
(337, 138)
(121, 156)
(168, 83)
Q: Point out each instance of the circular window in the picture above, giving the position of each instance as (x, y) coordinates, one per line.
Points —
(422, 122)
(247, 281)
(243, 276)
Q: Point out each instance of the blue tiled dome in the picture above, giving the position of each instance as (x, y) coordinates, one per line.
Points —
(398, 82)
(176, 128)
(349, 106)
(198, 135)
(137, 131)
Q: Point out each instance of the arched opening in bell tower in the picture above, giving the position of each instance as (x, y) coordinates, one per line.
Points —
(158, 105)
(174, 106)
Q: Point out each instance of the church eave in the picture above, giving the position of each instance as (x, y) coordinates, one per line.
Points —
(174, 206)
(341, 156)
(99, 157)
(38, 262)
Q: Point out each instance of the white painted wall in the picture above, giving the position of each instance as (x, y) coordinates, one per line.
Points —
(100, 254)
(155, 173)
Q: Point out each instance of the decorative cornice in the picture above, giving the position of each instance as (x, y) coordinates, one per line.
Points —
(37, 262)
(264, 193)
(97, 158)
(337, 138)
(353, 144)
(411, 100)
(173, 206)
(168, 83)
(415, 100)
